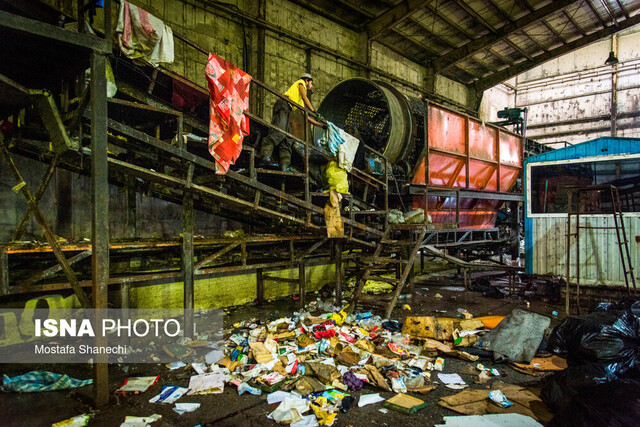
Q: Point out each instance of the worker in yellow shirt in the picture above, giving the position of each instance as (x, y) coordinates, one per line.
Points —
(280, 119)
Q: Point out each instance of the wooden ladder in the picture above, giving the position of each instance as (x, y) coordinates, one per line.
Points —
(389, 245)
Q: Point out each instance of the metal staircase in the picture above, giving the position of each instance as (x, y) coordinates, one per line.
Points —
(397, 239)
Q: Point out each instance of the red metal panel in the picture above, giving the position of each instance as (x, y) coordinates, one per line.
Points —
(446, 130)
(444, 170)
(508, 177)
(482, 141)
(510, 151)
(482, 176)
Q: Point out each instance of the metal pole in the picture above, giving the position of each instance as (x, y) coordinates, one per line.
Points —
(100, 212)
(568, 252)
(187, 262)
(338, 277)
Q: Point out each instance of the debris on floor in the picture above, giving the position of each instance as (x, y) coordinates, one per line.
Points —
(603, 355)
(131, 421)
(323, 361)
(77, 421)
(36, 381)
(517, 337)
(490, 420)
(137, 385)
(479, 402)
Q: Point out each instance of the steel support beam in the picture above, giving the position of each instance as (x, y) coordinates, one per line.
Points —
(4, 272)
(55, 269)
(187, 262)
(338, 246)
(514, 70)
(393, 16)
(100, 213)
(37, 28)
(23, 188)
(483, 42)
(44, 183)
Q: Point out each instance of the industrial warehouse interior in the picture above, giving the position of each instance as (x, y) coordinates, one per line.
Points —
(320, 212)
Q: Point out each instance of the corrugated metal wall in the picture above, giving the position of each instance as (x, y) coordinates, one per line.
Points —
(599, 254)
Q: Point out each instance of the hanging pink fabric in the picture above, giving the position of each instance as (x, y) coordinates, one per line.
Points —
(229, 99)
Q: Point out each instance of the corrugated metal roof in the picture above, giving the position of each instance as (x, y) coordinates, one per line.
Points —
(595, 147)
(481, 42)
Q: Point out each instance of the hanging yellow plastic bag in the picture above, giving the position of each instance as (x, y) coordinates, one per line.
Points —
(336, 177)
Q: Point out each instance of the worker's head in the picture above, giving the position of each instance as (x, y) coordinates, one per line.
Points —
(308, 80)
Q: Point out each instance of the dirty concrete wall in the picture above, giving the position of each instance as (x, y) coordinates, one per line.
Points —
(228, 290)
(212, 291)
(225, 31)
(570, 97)
(154, 218)
(496, 99)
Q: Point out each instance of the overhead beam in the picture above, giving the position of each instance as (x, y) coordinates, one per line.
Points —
(595, 12)
(574, 23)
(514, 70)
(623, 9)
(475, 15)
(483, 42)
(42, 29)
(555, 32)
(393, 17)
(326, 13)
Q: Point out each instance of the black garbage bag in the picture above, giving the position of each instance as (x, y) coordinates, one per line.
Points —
(488, 290)
(560, 388)
(609, 338)
(611, 404)
(627, 303)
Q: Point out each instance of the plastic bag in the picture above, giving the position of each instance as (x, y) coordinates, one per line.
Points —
(560, 388)
(610, 338)
(336, 178)
(613, 404)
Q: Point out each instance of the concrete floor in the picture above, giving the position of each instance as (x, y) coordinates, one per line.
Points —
(230, 409)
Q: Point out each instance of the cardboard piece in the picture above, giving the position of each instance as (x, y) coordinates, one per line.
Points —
(333, 217)
(228, 363)
(477, 402)
(305, 385)
(439, 328)
(348, 357)
(376, 377)
(404, 403)
(325, 373)
(260, 352)
(425, 389)
(448, 350)
(540, 365)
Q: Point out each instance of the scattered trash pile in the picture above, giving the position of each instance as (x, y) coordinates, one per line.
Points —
(600, 385)
(314, 364)
(323, 361)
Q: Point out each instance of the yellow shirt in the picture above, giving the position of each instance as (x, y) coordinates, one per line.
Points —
(293, 93)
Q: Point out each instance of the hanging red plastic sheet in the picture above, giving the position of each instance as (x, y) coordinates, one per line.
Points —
(228, 125)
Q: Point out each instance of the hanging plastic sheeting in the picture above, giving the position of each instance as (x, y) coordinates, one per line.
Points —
(143, 36)
(229, 99)
(340, 144)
